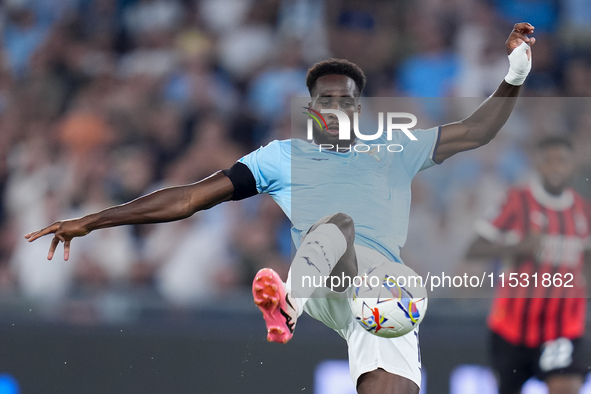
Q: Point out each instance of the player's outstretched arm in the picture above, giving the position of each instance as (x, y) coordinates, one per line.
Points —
(165, 205)
(482, 126)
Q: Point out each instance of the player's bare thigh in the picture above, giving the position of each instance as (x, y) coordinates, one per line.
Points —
(564, 384)
(380, 381)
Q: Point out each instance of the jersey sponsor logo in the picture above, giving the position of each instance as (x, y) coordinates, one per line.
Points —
(561, 250)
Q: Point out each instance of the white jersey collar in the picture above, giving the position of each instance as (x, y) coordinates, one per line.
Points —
(563, 201)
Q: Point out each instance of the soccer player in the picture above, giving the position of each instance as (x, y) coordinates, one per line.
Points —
(335, 232)
(541, 229)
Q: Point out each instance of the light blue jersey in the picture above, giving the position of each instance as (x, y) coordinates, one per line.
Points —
(371, 187)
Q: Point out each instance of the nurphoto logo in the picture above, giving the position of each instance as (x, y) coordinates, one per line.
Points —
(392, 125)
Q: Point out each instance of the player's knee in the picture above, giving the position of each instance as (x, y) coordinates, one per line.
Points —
(345, 223)
(564, 384)
(380, 381)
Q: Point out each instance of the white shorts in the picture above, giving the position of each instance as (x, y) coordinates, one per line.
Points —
(367, 352)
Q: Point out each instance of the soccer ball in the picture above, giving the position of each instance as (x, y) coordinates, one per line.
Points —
(389, 300)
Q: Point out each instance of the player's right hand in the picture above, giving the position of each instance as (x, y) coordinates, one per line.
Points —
(63, 231)
(519, 35)
(529, 246)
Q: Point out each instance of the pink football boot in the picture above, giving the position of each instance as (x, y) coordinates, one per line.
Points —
(269, 295)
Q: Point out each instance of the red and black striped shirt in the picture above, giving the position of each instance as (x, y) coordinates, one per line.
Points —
(538, 311)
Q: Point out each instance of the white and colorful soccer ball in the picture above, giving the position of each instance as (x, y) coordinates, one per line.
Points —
(389, 300)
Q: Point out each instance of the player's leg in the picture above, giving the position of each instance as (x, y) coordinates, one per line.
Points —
(322, 249)
(513, 365)
(347, 264)
(388, 365)
(380, 381)
(381, 365)
(561, 365)
(564, 384)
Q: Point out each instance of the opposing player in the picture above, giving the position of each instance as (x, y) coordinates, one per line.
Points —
(326, 199)
(541, 230)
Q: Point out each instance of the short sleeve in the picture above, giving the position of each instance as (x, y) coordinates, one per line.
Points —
(266, 164)
(502, 222)
(419, 154)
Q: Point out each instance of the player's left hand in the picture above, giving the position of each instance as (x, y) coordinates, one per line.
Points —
(518, 36)
(63, 231)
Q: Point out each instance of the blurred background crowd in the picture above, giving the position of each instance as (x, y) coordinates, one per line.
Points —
(102, 101)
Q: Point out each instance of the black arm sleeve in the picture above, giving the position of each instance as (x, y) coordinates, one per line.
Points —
(243, 181)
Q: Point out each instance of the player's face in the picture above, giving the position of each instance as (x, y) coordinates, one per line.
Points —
(334, 92)
(556, 166)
